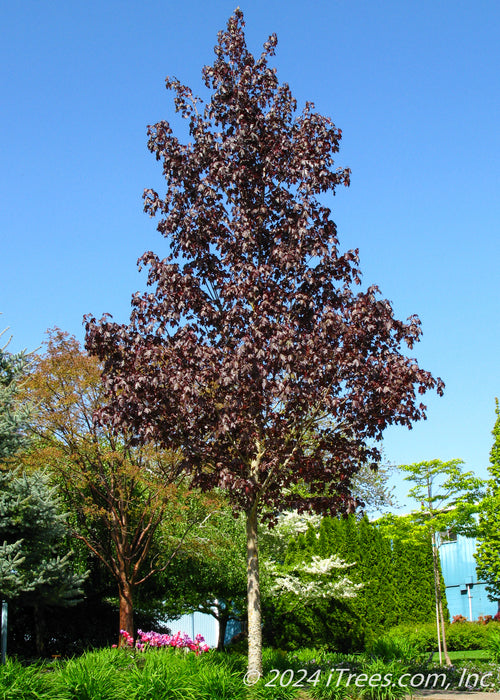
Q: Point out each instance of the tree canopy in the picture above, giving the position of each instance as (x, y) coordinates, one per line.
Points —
(118, 492)
(254, 352)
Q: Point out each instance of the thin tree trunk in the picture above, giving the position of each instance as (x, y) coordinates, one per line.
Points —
(443, 630)
(438, 626)
(126, 609)
(253, 594)
(439, 603)
(435, 570)
(223, 620)
(39, 618)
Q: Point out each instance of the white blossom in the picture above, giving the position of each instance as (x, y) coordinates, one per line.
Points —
(292, 523)
(310, 581)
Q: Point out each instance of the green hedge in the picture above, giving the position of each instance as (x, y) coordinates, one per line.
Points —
(460, 636)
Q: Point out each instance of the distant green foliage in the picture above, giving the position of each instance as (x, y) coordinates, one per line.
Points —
(211, 577)
(488, 550)
(422, 637)
(465, 636)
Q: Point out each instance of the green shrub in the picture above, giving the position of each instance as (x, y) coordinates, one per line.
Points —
(423, 638)
(460, 636)
(466, 635)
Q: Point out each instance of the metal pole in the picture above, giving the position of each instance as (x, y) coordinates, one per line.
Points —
(4, 630)
(469, 595)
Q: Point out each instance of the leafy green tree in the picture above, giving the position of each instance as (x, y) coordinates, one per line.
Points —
(118, 492)
(34, 534)
(488, 551)
(208, 575)
(448, 498)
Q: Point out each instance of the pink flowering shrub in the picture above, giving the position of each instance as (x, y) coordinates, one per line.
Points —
(154, 639)
(458, 618)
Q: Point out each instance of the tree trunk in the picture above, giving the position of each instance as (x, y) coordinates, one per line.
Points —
(435, 570)
(126, 609)
(443, 630)
(439, 602)
(39, 619)
(253, 595)
(438, 626)
(223, 620)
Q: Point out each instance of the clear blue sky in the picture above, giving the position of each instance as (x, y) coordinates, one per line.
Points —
(415, 89)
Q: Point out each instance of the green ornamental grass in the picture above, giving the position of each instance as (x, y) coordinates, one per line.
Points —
(493, 646)
(18, 682)
(174, 674)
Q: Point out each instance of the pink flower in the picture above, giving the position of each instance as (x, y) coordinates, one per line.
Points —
(153, 639)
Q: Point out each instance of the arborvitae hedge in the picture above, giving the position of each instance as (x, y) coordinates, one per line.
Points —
(398, 587)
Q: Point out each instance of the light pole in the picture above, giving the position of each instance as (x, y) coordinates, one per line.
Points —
(4, 631)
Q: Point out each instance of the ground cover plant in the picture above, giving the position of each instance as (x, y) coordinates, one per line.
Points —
(385, 672)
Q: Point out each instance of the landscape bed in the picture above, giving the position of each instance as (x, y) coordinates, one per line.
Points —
(172, 674)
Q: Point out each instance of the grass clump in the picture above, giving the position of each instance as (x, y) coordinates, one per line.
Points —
(18, 682)
(95, 674)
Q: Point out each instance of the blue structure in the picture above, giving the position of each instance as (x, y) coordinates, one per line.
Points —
(201, 623)
(197, 623)
(465, 594)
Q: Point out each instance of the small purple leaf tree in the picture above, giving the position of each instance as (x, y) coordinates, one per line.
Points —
(253, 354)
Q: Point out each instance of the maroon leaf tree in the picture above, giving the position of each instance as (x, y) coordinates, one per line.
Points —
(253, 353)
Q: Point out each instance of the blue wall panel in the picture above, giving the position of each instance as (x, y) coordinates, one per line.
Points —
(206, 625)
(464, 593)
(197, 623)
